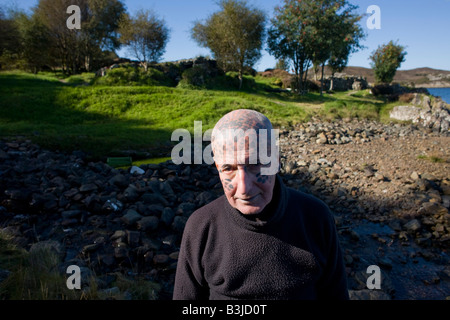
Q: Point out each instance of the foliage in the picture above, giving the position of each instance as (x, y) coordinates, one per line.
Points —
(79, 49)
(146, 36)
(42, 41)
(104, 120)
(386, 60)
(305, 32)
(132, 75)
(282, 64)
(234, 35)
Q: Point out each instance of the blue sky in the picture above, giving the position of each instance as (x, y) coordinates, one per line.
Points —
(422, 26)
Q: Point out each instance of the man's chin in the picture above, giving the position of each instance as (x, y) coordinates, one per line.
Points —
(249, 210)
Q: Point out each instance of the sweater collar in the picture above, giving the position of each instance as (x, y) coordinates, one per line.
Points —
(264, 219)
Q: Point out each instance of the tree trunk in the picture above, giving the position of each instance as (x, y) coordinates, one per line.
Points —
(87, 63)
(321, 80)
(240, 76)
(332, 82)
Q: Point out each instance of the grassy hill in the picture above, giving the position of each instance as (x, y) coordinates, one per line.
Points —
(421, 77)
(109, 120)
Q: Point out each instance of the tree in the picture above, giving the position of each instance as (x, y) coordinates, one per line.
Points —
(345, 41)
(308, 31)
(235, 35)
(100, 30)
(35, 43)
(146, 35)
(10, 41)
(386, 60)
(77, 49)
(282, 64)
(290, 37)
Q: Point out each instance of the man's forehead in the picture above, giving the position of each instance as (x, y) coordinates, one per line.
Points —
(243, 119)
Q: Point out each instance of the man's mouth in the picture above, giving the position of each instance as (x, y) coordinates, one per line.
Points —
(247, 200)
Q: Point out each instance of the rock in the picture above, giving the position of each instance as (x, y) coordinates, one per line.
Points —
(88, 187)
(412, 226)
(160, 259)
(415, 176)
(205, 197)
(154, 210)
(131, 217)
(71, 214)
(119, 180)
(313, 168)
(437, 117)
(179, 223)
(148, 223)
(154, 198)
(90, 248)
(185, 209)
(367, 294)
(405, 113)
(167, 216)
(118, 235)
(432, 208)
(136, 170)
(112, 205)
(290, 166)
(322, 138)
(368, 172)
(131, 193)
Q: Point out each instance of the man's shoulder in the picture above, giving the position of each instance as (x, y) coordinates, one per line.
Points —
(306, 199)
(311, 206)
(207, 213)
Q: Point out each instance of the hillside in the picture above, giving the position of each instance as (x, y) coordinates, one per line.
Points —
(121, 120)
(421, 77)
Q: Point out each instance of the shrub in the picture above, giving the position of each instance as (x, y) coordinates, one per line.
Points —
(131, 75)
(194, 77)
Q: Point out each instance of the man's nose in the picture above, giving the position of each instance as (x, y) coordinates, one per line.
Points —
(245, 181)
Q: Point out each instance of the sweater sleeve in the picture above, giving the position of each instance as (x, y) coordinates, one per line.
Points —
(333, 284)
(189, 279)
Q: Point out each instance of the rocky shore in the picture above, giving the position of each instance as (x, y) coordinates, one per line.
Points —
(388, 186)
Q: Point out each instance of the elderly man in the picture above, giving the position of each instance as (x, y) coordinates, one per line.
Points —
(260, 240)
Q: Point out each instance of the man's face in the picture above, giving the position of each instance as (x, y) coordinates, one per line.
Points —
(245, 188)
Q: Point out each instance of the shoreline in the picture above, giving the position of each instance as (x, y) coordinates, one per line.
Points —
(437, 86)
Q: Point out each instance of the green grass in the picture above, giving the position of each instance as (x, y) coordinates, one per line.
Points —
(434, 159)
(34, 275)
(108, 120)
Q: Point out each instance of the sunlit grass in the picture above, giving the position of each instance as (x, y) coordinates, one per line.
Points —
(108, 120)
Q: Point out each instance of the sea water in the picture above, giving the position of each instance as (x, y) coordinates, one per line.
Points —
(444, 93)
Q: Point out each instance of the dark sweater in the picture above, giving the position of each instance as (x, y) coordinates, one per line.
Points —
(293, 253)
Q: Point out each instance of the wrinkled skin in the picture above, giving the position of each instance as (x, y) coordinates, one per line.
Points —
(246, 189)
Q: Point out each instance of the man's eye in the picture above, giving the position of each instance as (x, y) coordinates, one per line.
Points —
(227, 169)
